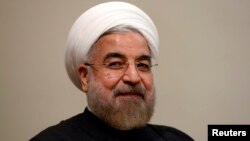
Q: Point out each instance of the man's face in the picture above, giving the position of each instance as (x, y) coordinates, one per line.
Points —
(120, 89)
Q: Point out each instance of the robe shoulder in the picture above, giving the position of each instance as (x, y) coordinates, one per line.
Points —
(171, 133)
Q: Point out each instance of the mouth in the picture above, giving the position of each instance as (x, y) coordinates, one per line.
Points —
(136, 95)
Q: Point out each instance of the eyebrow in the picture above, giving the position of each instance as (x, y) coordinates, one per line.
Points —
(114, 55)
(121, 56)
(144, 58)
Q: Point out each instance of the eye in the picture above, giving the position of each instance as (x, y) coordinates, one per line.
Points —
(143, 66)
(115, 65)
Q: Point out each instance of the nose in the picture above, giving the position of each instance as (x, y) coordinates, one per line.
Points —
(131, 75)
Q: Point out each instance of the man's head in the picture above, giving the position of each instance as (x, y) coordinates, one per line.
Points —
(112, 63)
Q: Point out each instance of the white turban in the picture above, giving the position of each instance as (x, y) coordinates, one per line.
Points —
(98, 19)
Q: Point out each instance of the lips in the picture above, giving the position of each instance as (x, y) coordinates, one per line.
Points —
(130, 95)
(137, 91)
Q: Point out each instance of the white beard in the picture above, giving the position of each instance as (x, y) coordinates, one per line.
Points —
(119, 112)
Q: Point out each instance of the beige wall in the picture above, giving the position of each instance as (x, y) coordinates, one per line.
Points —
(203, 77)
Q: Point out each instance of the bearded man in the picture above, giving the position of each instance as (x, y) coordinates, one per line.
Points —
(111, 52)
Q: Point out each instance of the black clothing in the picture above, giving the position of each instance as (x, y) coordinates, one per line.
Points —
(88, 127)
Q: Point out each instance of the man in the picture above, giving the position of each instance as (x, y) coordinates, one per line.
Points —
(111, 51)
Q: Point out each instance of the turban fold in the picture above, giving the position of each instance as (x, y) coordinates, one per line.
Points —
(96, 21)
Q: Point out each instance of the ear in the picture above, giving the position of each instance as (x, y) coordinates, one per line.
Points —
(82, 74)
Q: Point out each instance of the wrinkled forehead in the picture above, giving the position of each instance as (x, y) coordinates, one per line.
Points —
(124, 45)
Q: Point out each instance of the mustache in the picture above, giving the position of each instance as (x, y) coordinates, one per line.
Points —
(138, 90)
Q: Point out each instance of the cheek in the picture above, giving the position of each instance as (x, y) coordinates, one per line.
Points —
(148, 84)
(108, 81)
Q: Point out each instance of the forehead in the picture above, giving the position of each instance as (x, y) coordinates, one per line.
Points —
(129, 44)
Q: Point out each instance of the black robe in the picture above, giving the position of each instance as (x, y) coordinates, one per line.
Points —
(87, 127)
